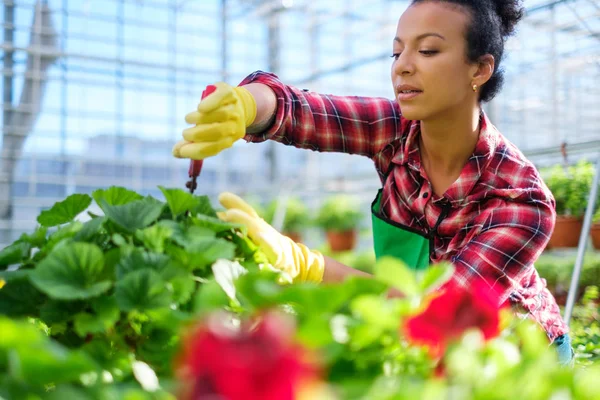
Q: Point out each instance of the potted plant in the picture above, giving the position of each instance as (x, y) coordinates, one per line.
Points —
(595, 230)
(557, 270)
(571, 187)
(297, 217)
(340, 216)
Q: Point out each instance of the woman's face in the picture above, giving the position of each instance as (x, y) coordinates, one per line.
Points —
(430, 72)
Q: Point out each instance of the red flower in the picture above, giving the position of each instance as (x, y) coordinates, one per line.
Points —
(452, 312)
(223, 363)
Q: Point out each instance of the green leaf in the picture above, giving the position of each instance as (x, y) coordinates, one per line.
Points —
(106, 314)
(16, 334)
(142, 260)
(14, 253)
(72, 272)
(159, 349)
(315, 332)
(154, 237)
(37, 238)
(167, 319)
(205, 251)
(205, 207)
(209, 297)
(135, 215)
(396, 274)
(312, 299)
(18, 297)
(181, 257)
(247, 248)
(90, 229)
(183, 287)
(63, 392)
(115, 359)
(37, 360)
(142, 290)
(191, 234)
(180, 282)
(365, 335)
(179, 201)
(55, 312)
(119, 240)
(111, 258)
(115, 196)
(214, 224)
(376, 311)
(65, 211)
(53, 364)
(259, 290)
(435, 276)
(328, 298)
(10, 276)
(64, 232)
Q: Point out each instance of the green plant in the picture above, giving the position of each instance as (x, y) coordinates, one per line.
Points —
(98, 310)
(585, 328)
(297, 217)
(558, 270)
(339, 213)
(570, 187)
(100, 298)
(596, 218)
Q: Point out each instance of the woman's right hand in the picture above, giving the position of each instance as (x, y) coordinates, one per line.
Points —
(222, 117)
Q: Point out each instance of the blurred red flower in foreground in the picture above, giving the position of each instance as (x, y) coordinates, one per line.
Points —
(220, 362)
(449, 314)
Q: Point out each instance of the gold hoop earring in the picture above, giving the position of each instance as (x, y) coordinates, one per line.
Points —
(475, 88)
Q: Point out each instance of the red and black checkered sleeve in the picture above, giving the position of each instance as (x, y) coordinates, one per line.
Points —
(503, 252)
(328, 123)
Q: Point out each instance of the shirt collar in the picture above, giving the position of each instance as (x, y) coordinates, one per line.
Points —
(482, 155)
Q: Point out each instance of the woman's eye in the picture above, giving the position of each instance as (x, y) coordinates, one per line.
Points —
(395, 56)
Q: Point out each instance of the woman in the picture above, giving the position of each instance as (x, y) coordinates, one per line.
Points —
(454, 189)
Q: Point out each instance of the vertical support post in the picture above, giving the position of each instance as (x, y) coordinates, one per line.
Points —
(312, 164)
(172, 49)
(554, 79)
(8, 59)
(274, 67)
(64, 92)
(120, 103)
(7, 127)
(583, 238)
(222, 173)
(6, 176)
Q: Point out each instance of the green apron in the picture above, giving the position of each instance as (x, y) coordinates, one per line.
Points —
(399, 241)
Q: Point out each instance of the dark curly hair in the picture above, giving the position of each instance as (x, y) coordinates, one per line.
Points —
(492, 22)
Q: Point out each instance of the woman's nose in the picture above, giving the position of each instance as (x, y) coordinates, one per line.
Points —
(404, 64)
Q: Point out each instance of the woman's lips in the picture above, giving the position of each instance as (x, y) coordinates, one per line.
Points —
(405, 96)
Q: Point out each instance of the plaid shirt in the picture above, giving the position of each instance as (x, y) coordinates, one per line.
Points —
(499, 212)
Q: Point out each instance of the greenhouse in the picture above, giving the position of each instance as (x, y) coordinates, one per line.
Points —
(294, 199)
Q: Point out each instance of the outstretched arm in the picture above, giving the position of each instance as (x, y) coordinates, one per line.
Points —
(322, 122)
(338, 272)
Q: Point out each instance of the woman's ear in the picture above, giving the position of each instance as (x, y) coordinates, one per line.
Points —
(485, 69)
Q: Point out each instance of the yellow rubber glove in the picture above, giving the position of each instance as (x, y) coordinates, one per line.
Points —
(295, 259)
(221, 119)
